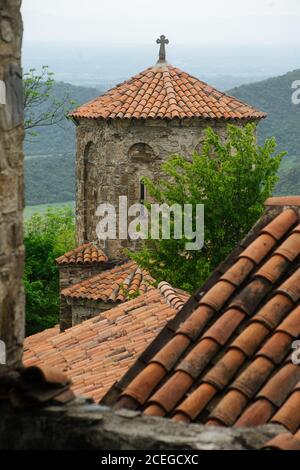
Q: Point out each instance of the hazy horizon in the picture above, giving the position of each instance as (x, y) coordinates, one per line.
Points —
(224, 43)
(99, 65)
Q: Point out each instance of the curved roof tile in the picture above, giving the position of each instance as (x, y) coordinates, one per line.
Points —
(83, 254)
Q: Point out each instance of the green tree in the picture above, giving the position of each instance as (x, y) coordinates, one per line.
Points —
(42, 107)
(47, 236)
(232, 180)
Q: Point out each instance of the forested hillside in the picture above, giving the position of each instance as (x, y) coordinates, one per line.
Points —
(275, 97)
(50, 156)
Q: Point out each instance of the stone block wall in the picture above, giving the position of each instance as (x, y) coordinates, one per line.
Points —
(11, 182)
(85, 309)
(113, 156)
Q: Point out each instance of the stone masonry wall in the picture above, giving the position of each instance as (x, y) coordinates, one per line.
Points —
(11, 182)
(113, 156)
(91, 427)
(84, 310)
(70, 275)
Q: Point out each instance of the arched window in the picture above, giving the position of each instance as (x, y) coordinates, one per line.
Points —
(141, 152)
(142, 192)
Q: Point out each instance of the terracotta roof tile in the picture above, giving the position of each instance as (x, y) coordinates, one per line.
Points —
(258, 413)
(229, 408)
(225, 369)
(97, 352)
(198, 358)
(165, 92)
(227, 361)
(278, 227)
(289, 414)
(251, 338)
(281, 384)
(84, 254)
(196, 402)
(284, 441)
(116, 285)
(169, 355)
(283, 201)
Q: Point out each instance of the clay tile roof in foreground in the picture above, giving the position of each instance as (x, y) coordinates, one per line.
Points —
(84, 254)
(96, 353)
(228, 361)
(165, 92)
(116, 285)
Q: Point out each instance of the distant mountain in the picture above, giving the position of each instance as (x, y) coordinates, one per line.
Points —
(275, 97)
(51, 176)
(103, 65)
(50, 179)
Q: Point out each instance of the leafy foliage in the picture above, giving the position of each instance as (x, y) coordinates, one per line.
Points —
(47, 236)
(232, 180)
(41, 106)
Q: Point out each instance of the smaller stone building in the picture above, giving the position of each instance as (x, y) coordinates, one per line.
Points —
(105, 291)
(76, 266)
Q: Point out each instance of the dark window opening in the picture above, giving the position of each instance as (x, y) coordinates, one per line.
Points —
(142, 192)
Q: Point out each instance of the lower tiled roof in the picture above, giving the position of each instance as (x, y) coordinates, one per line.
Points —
(116, 285)
(88, 253)
(96, 353)
(225, 360)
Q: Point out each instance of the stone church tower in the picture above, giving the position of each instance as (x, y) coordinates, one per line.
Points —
(128, 132)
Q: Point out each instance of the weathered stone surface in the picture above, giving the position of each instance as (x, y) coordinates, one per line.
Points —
(94, 427)
(113, 156)
(85, 309)
(11, 114)
(6, 30)
(70, 275)
(11, 183)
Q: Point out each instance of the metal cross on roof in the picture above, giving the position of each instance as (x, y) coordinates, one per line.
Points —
(162, 50)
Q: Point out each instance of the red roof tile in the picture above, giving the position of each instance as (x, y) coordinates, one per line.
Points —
(96, 353)
(285, 441)
(228, 359)
(165, 92)
(84, 254)
(116, 285)
(283, 201)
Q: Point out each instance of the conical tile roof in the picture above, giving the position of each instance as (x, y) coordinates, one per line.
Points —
(166, 92)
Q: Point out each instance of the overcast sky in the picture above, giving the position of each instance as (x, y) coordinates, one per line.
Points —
(183, 21)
